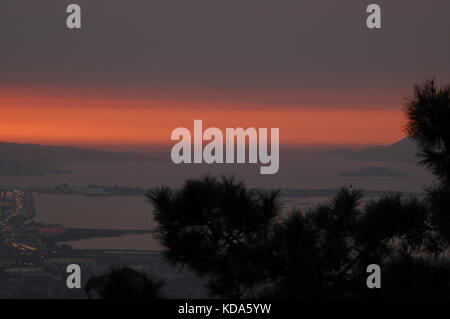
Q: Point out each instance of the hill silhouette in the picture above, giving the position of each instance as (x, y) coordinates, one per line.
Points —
(404, 150)
(36, 160)
(36, 152)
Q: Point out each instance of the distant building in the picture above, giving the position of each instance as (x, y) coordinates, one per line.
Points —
(16, 204)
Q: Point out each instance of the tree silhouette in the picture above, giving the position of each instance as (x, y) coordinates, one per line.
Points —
(428, 124)
(239, 240)
(123, 283)
(216, 227)
(244, 245)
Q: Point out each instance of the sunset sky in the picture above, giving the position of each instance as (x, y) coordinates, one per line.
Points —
(139, 69)
(139, 122)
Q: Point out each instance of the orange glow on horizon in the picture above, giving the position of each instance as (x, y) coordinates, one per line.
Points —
(89, 121)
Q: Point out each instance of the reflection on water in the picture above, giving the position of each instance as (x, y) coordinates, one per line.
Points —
(133, 212)
(296, 171)
(115, 212)
(112, 212)
(128, 242)
(118, 212)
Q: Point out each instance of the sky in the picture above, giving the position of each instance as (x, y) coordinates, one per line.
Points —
(138, 69)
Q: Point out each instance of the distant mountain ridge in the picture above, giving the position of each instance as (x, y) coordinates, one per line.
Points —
(404, 150)
(36, 152)
(37, 160)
